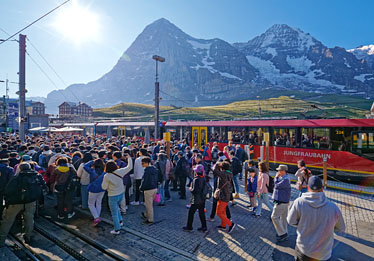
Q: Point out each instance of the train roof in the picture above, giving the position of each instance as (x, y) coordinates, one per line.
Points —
(279, 123)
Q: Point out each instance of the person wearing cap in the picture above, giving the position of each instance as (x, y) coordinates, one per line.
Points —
(316, 219)
(281, 197)
(197, 199)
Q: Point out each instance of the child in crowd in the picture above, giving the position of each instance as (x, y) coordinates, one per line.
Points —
(252, 188)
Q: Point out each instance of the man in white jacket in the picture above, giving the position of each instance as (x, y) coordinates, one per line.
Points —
(138, 175)
(316, 219)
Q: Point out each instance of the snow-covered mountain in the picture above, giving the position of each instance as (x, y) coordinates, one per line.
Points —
(204, 72)
(288, 57)
(365, 52)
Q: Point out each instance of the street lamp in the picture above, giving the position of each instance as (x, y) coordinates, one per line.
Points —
(157, 96)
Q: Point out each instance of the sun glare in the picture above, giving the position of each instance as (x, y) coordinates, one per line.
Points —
(77, 24)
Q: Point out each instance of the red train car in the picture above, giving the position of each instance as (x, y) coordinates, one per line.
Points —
(346, 144)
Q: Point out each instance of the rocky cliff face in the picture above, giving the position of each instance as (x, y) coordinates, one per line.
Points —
(365, 52)
(204, 72)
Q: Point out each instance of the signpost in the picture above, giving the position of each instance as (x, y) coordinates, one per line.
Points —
(166, 138)
(267, 140)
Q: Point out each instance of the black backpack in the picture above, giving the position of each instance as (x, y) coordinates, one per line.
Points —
(23, 188)
(271, 184)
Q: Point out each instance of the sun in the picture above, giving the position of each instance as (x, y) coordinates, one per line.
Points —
(77, 24)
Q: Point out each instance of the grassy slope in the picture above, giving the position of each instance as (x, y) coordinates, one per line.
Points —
(336, 106)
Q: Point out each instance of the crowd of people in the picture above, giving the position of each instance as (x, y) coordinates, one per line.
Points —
(98, 168)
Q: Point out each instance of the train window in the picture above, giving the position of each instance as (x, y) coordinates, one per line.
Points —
(238, 135)
(371, 140)
(318, 138)
(254, 136)
(284, 137)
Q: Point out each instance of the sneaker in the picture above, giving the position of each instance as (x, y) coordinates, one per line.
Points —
(202, 229)
(59, 217)
(186, 229)
(161, 205)
(236, 195)
(257, 216)
(231, 228)
(169, 200)
(146, 222)
(210, 219)
(71, 215)
(121, 223)
(221, 227)
(188, 206)
(282, 237)
(134, 203)
(126, 207)
(115, 232)
(123, 212)
(97, 221)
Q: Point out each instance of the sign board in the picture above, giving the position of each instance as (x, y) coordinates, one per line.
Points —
(229, 135)
(166, 136)
(266, 137)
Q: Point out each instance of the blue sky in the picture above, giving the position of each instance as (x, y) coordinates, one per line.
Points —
(335, 23)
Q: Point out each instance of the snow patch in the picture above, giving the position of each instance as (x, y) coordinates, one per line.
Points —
(362, 77)
(346, 63)
(300, 64)
(272, 51)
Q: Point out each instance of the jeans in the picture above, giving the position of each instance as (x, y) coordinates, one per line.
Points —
(114, 205)
(10, 214)
(166, 188)
(65, 201)
(264, 198)
(303, 190)
(94, 203)
(221, 212)
(191, 214)
(161, 191)
(84, 196)
(236, 183)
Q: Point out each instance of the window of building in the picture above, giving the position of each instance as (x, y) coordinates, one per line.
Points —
(318, 138)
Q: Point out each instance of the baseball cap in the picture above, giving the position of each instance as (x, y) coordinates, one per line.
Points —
(315, 183)
(282, 167)
(26, 158)
(180, 153)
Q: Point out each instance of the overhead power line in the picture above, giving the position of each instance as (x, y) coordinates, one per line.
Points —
(34, 22)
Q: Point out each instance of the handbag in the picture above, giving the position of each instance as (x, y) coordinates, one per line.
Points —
(157, 198)
(218, 191)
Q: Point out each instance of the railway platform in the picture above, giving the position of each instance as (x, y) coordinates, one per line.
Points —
(253, 238)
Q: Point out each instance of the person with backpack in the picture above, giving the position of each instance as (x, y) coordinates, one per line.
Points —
(6, 173)
(214, 155)
(302, 174)
(65, 178)
(95, 192)
(44, 157)
(281, 197)
(252, 188)
(198, 198)
(21, 194)
(84, 177)
(263, 188)
(236, 169)
(113, 183)
(161, 164)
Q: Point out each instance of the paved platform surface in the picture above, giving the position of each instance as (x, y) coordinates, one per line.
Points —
(254, 238)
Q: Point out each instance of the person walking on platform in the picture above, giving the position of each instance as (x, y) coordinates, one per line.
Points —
(223, 193)
(197, 199)
(149, 186)
(236, 169)
(65, 177)
(302, 174)
(138, 175)
(262, 188)
(21, 194)
(281, 197)
(113, 183)
(6, 173)
(316, 219)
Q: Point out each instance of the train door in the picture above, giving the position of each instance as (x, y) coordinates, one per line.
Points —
(199, 136)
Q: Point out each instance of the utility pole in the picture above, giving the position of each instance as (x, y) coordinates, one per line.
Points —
(22, 85)
(157, 97)
(259, 107)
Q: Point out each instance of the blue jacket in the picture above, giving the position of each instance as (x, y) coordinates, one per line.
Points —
(150, 178)
(95, 179)
(252, 187)
(122, 164)
(6, 173)
(282, 189)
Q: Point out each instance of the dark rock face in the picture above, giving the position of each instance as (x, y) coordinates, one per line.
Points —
(205, 72)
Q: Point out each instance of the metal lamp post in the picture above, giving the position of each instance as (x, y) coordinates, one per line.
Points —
(157, 96)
